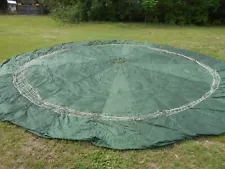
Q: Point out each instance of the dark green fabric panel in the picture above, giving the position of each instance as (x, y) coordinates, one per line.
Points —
(116, 94)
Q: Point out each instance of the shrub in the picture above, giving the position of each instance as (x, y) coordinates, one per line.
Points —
(164, 11)
(218, 15)
(3, 6)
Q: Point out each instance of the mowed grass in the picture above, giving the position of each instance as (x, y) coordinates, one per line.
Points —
(21, 149)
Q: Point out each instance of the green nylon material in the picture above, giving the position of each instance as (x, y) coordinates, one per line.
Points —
(116, 94)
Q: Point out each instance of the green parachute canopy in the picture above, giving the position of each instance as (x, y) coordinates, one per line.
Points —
(116, 94)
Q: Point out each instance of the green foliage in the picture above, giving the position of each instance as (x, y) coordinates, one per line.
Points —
(164, 11)
(69, 13)
(149, 7)
(217, 15)
(184, 11)
(3, 5)
(101, 10)
(149, 4)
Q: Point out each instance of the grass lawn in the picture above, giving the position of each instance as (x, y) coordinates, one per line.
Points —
(21, 149)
